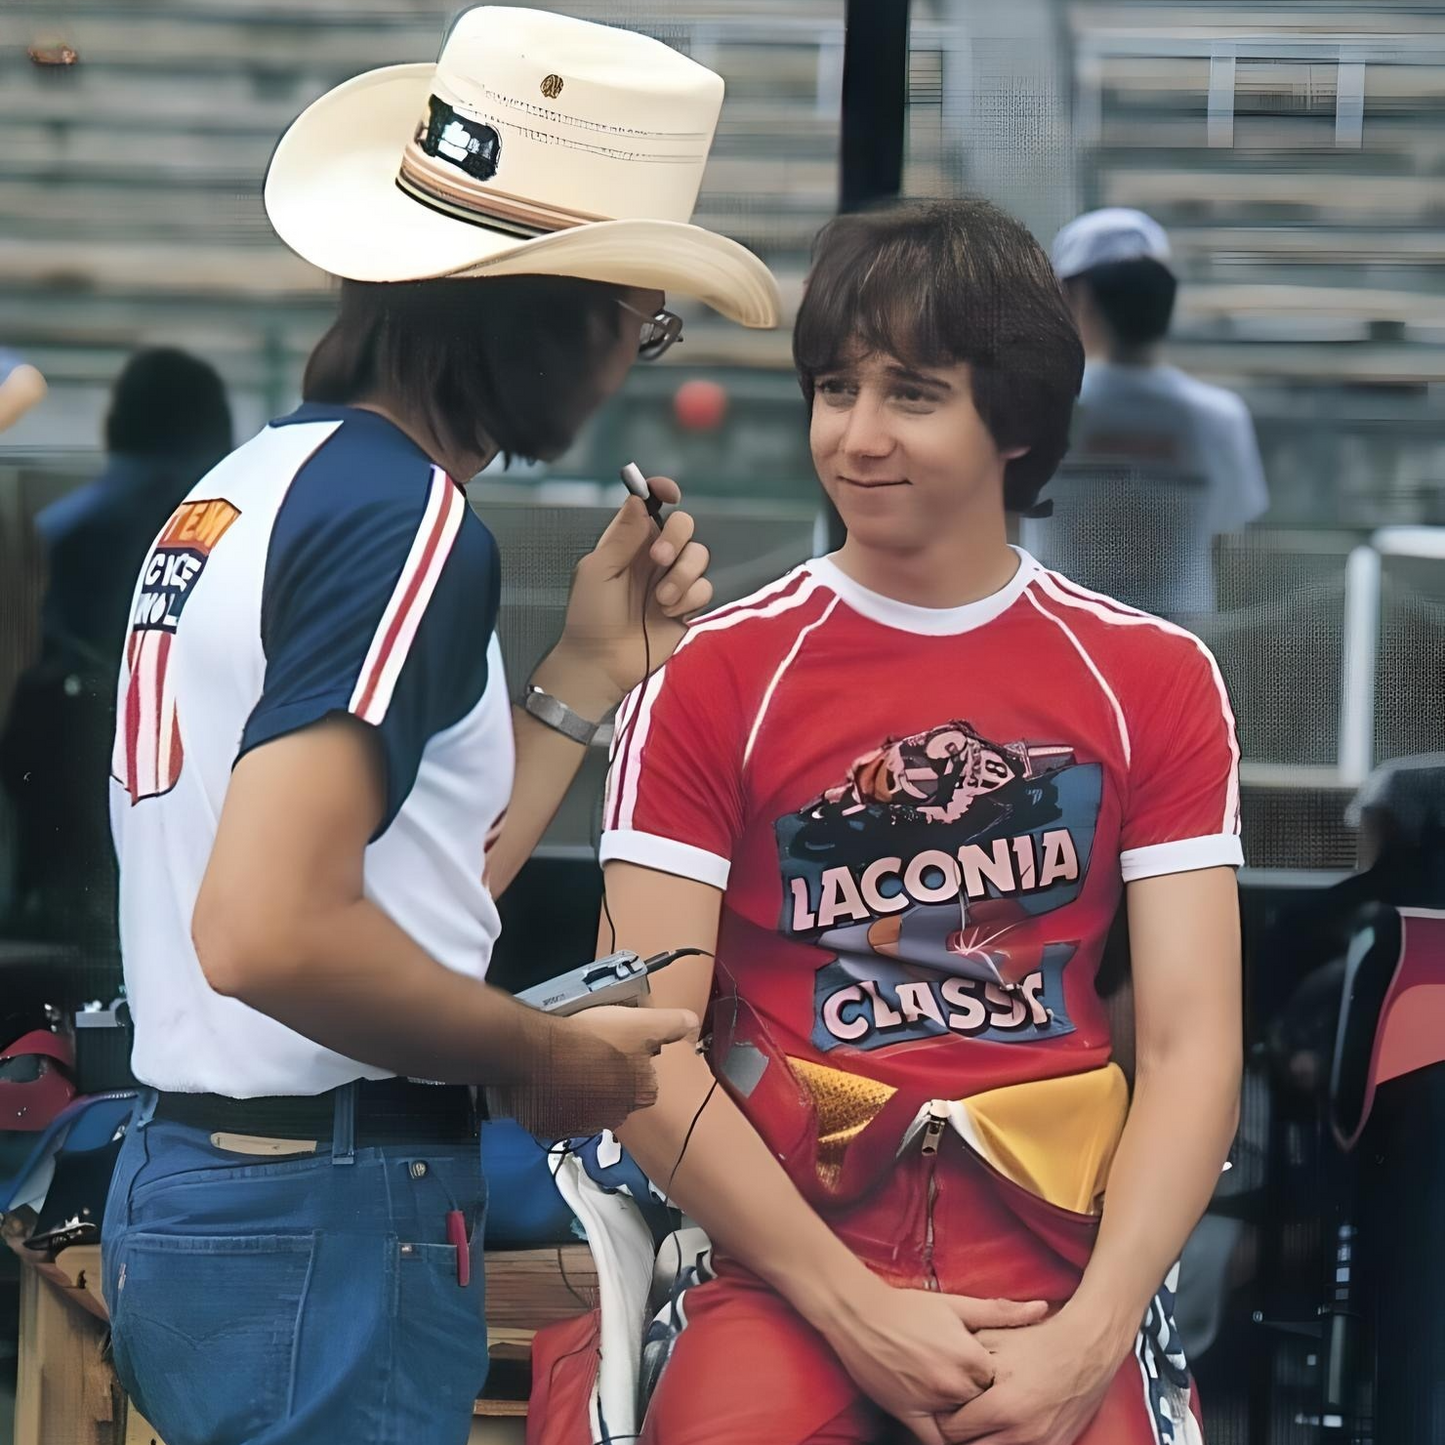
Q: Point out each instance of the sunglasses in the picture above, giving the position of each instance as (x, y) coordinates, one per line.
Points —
(656, 333)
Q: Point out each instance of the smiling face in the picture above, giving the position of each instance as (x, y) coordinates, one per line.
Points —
(902, 452)
(945, 341)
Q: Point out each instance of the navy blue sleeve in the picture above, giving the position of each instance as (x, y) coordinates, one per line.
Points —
(380, 598)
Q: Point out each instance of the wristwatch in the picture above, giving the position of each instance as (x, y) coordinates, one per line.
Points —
(558, 716)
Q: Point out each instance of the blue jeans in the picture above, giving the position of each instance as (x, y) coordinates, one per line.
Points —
(312, 1298)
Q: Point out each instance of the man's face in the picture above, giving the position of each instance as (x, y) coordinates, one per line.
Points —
(617, 361)
(612, 357)
(902, 453)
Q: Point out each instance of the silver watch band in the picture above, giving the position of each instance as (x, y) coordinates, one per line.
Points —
(558, 716)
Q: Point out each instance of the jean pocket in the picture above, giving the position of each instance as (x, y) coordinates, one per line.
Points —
(205, 1330)
(440, 1332)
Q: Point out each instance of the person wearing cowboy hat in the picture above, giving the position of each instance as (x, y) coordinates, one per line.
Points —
(316, 794)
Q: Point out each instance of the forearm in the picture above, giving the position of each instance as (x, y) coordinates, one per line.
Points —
(730, 1183)
(353, 981)
(547, 764)
(1181, 1122)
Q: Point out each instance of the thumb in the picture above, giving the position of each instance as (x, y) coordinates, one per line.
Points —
(996, 1314)
(629, 532)
(670, 1026)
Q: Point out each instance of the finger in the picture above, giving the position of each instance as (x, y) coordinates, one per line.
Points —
(976, 1368)
(996, 1314)
(688, 568)
(698, 597)
(670, 1026)
(977, 1421)
(675, 535)
(665, 490)
(968, 1371)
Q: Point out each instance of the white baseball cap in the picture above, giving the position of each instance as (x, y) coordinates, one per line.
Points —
(1113, 234)
(537, 144)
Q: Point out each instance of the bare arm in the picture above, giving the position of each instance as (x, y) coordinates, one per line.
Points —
(728, 1180)
(282, 923)
(23, 389)
(547, 764)
(1184, 940)
(1184, 935)
(909, 1350)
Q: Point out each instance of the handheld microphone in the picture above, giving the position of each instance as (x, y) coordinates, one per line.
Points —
(636, 483)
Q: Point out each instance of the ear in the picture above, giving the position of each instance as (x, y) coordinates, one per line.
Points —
(1014, 453)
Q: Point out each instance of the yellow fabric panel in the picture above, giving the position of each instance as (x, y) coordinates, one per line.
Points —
(1055, 1137)
(845, 1104)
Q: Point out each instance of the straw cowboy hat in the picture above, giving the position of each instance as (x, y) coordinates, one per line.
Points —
(536, 145)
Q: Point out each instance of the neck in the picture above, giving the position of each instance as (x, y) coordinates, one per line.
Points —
(460, 466)
(1100, 343)
(1120, 353)
(948, 572)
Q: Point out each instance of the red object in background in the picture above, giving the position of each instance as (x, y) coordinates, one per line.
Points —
(35, 1082)
(700, 405)
(1410, 1033)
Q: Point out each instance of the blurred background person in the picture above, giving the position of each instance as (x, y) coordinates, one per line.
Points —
(1178, 435)
(168, 423)
(22, 387)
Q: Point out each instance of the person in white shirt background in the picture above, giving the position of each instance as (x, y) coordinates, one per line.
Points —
(1117, 271)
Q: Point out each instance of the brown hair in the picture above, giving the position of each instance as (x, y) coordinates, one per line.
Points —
(942, 282)
(505, 361)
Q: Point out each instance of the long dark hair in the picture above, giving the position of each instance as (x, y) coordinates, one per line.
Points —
(506, 361)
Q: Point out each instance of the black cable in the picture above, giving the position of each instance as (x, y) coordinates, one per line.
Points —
(646, 674)
(612, 948)
(687, 1138)
(566, 1147)
(587, 1304)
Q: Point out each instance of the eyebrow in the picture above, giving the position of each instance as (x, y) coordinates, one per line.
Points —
(918, 378)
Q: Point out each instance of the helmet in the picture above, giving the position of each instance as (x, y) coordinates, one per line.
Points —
(35, 1080)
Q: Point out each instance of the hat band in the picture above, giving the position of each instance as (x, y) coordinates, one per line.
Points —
(448, 159)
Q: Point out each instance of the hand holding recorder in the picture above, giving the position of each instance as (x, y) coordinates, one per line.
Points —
(605, 1070)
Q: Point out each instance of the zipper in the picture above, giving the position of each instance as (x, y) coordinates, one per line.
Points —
(932, 1137)
(933, 1129)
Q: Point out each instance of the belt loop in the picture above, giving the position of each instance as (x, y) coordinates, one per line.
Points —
(343, 1132)
(145, 1108)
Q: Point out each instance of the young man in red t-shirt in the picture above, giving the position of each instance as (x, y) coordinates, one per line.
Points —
(900, 793)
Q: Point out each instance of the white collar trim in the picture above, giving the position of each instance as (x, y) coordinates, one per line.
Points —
(929, 621)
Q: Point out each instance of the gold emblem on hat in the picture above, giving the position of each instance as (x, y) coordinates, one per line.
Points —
(552, 87)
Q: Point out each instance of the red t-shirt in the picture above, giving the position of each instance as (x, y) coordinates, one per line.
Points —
(922, 818)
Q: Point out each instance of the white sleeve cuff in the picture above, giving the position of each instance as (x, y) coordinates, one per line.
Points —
(1187, 855)
(666, 855)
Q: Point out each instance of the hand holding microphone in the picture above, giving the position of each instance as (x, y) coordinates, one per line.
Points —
(646, 571)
